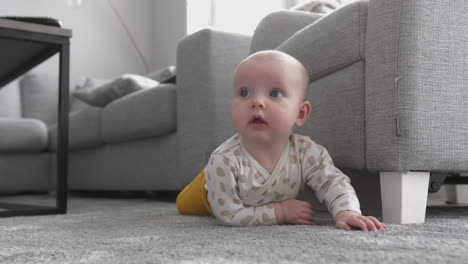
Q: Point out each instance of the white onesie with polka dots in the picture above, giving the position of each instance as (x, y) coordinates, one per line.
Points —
(241, 192)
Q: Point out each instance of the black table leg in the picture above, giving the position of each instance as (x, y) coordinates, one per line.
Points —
(63, 109)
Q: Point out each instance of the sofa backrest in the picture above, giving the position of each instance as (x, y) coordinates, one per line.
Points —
(39, 97)
(10, 104)
(33, 95)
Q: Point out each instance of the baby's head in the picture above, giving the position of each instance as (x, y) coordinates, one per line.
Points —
(269, 96)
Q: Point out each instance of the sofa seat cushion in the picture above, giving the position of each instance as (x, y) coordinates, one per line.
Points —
(84, 130)
(140, 115)
(22, 135)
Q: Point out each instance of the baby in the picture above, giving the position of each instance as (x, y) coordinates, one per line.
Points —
(254, 178)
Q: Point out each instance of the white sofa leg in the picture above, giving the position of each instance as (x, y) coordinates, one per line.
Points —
(404, 196)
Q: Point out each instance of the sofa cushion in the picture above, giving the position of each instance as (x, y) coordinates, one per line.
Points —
(86, 83)
(84, 130)
(278, 26)
(22, 135)
(140, 115)
(39, 97)
(108, 92)
(332, 42)
(10, 103)
(165, 75)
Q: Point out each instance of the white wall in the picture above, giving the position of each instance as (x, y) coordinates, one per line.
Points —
(100, 46)
(170, 25)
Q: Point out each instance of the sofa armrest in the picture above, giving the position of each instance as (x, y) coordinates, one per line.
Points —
(331, 43)
(22, 135)
(206, 61)
(140, 115)
(416, 65)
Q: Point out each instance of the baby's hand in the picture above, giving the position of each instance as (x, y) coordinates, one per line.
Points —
(295, 212)
(348, 219)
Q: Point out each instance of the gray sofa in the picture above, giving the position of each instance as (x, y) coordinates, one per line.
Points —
(154, 139)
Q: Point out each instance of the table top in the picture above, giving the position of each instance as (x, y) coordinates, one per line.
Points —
(25, 45)
(31, 27)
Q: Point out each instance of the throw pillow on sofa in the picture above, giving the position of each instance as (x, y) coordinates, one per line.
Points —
(165, 75)
(110, 91)
(82, 84)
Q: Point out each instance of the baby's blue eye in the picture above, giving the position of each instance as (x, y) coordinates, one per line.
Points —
(244, 93)
(275, 93)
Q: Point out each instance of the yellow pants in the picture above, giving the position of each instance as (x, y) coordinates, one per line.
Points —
(192, 200)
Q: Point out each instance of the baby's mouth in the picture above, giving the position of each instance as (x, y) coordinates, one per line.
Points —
(257, 120)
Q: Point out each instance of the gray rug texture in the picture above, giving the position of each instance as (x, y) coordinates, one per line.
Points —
(149, 230)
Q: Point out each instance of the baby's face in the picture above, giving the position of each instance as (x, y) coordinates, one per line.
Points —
(267, 98)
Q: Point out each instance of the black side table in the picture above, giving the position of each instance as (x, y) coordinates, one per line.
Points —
(23, 46)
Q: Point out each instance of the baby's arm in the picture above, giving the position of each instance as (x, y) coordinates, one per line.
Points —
(349, 219)
(223, 196)
(333, 188)
(294, 212)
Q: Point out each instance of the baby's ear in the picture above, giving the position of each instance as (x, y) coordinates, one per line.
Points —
(304, 112)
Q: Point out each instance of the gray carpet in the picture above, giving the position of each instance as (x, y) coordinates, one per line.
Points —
(116, 230)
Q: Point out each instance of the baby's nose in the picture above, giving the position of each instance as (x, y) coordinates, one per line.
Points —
(258, 104)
